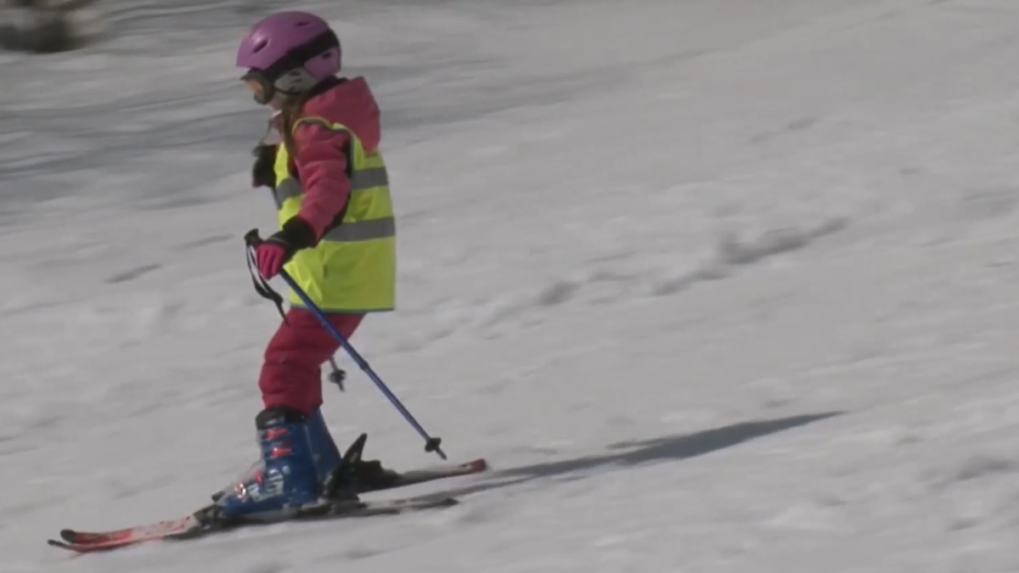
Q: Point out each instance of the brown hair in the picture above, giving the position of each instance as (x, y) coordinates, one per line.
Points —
(290, 113)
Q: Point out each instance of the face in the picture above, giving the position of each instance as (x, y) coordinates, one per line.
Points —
(255, 87)
(257, 91)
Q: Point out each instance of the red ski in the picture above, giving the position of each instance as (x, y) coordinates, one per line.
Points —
(196, 525)
(82, 541)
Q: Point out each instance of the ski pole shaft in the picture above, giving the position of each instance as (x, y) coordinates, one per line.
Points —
(432, 444)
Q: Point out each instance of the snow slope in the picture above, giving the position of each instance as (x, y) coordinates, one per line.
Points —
(716, 285)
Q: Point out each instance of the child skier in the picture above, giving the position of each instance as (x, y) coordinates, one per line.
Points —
(336, 239)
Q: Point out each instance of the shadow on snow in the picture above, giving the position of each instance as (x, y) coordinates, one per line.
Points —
(635, 453)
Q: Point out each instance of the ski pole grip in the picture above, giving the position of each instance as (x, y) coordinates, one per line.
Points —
(252, 239)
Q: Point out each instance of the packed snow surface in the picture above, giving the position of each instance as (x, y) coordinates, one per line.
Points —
(717, 286)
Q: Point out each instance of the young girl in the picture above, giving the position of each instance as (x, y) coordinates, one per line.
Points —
(336, 239)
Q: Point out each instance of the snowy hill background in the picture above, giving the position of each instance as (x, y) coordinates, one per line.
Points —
(715, 285)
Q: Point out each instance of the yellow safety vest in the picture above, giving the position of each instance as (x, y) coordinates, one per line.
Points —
(353, 267)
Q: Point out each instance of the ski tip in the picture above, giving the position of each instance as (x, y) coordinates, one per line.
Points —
(61, 545)
(68, 534)
(83, 547)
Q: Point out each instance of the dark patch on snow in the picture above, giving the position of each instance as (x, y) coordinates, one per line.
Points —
(976, 467)
(989, 203)
(711, 272)
(133, 273)
(800, 124)
(982, 466)
(202, 242)
(557, 293)
(40, 27)
(735, 252)
(963, 522)
(174, 201)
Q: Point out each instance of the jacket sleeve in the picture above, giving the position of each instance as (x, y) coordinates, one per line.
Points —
(322, 164)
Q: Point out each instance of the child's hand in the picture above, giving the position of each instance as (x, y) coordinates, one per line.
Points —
(274, 252)
(271, 255)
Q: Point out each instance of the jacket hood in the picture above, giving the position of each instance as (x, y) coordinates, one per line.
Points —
(351, 103)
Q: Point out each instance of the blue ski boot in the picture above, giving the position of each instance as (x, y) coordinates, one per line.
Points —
(287, 476)
(323, 448)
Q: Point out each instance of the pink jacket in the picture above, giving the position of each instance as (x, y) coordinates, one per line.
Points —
(321, 159)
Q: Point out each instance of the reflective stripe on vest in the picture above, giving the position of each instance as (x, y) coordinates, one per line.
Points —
(359, 181)
(353, 267)
(355, 230)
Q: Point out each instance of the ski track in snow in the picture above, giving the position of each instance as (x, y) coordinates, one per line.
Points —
(715, 285)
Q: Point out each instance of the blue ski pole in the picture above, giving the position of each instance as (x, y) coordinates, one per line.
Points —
(432, 444)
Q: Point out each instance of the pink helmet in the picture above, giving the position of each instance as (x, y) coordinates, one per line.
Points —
(289, 52)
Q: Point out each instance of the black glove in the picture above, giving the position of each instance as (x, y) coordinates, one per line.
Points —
(263, 171)
(295, 235)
